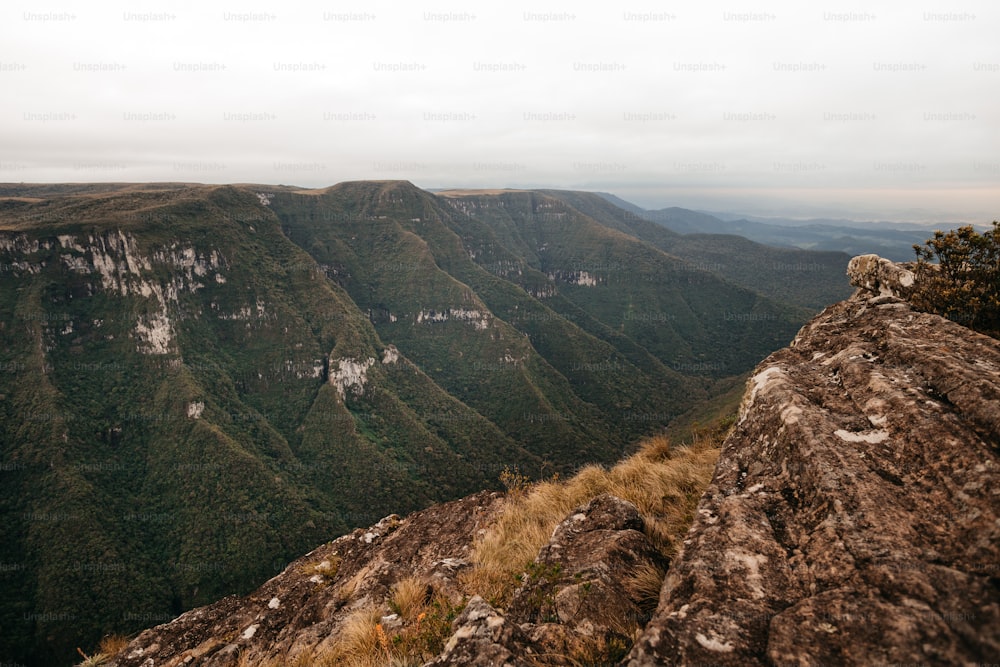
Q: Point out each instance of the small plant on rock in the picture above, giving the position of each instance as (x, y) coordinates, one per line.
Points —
(516, 483)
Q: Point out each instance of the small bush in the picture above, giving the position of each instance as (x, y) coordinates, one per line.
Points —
(514, 482)
(964, 284)
(112, 644)
(107, 650)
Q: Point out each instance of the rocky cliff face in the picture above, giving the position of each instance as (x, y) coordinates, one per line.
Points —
(854, 518)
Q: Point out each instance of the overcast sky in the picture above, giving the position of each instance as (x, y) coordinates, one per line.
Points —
(885, 110)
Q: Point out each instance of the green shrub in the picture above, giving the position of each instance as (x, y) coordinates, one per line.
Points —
(964, 284)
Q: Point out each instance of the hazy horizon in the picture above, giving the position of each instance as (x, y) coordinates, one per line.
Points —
(884, 113)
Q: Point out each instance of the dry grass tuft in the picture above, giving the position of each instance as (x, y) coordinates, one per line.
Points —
(664, 483)
(410, 597)
(363, 643)
(644, 585)
(112, 644)
(301, 660)
(599, 650)
(424, 624)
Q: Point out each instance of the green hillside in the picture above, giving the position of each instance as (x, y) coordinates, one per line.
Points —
(806, 278)
(688, 317)
(199, 383)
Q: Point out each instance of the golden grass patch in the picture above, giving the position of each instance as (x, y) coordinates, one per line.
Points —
(664, 483)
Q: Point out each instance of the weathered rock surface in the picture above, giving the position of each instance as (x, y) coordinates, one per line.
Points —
(878, 276)
(579, 585)
(303, 608)
(576, 591)
(484, 638)
(854, 516)
(576, 595)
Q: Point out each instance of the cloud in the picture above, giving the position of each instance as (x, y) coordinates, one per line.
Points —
(885, 111)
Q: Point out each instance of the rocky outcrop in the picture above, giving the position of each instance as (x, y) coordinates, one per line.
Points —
(579, 586)
(303, 609)
(854, 516)
(575, 596)
(878, 276)
(483, 637)
(575, 600)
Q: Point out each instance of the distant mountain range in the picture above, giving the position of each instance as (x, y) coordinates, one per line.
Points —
(890, 240)
(198, 383)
